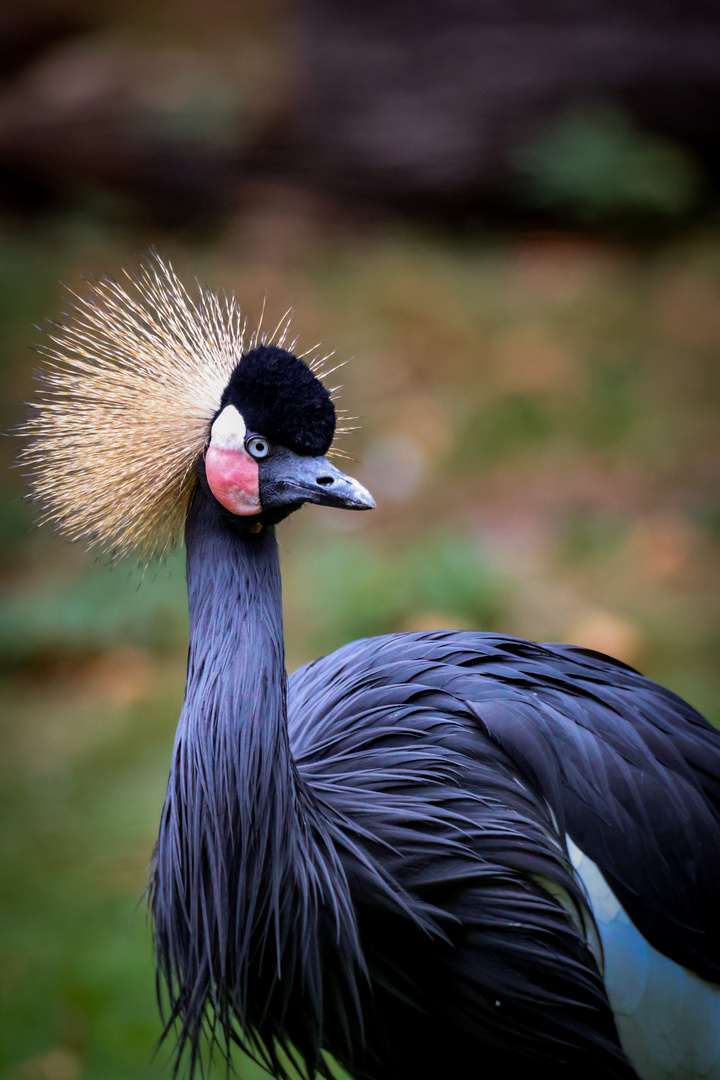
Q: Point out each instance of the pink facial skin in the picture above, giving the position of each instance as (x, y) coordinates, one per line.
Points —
(232, 476)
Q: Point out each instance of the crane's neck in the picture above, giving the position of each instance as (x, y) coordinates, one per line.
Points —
(234, 714)
(241, 836)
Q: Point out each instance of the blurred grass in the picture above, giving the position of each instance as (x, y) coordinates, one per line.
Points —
(540, 428)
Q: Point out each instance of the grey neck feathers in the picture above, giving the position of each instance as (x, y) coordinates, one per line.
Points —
(247, 890)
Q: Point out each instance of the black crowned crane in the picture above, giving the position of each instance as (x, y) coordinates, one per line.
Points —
(428, 854)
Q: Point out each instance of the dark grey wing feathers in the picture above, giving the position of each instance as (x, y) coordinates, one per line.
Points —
(405, 766)
(630, 770)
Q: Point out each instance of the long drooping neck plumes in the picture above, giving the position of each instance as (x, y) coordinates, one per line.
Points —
(247, 886)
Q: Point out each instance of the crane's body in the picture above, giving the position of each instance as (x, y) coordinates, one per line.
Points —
(415, 800)
(599, 745)
(422, 851)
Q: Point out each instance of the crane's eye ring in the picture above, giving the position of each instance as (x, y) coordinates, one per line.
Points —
(257, 446)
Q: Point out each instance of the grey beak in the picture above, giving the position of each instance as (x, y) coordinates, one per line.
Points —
(290, 478)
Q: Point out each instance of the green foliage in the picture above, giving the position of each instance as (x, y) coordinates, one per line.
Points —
(16, 520)
(98, 611)
(609, 409)
(594, 163)
(586, 535)
(27, 280)
(355, 588)
(511, 424)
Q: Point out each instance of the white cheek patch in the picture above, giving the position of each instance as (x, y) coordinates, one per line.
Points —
(228, 431)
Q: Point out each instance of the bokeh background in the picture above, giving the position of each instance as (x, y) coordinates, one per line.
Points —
(508, 213)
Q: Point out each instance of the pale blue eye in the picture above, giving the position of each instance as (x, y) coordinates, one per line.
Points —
(258, 447)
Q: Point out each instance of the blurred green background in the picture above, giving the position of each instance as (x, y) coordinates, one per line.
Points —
(537, 388)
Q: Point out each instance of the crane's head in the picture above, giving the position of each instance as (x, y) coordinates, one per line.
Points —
(149, 391)
(268, 442)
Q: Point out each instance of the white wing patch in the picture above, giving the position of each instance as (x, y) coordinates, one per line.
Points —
(667, 1017)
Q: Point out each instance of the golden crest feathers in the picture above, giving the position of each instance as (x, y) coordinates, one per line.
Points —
(131, 383)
